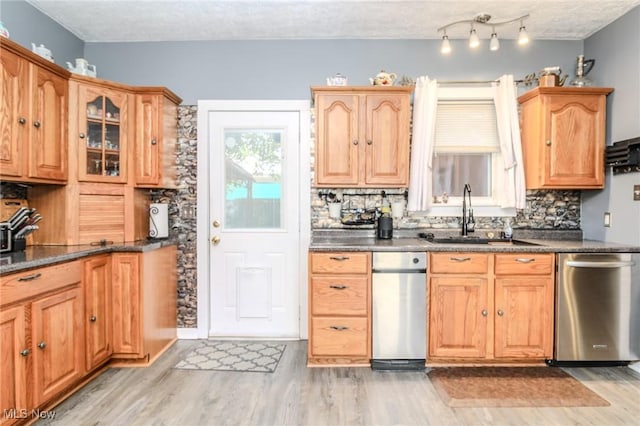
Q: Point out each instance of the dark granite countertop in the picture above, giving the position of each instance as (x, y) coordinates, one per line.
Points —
(38, 256)
(543, 242)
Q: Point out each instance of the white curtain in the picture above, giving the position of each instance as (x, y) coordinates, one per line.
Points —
(513, 192)
(425, 103)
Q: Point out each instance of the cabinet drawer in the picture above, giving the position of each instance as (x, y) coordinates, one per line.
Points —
(341, 263)
(339, 336)
(24, 285)
(339, 295)
(458, 263)
(524, 264)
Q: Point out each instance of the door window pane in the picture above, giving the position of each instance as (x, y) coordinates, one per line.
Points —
(253, 178)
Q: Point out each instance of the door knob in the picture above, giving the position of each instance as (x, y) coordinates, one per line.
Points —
(215, 240)
(216, 224)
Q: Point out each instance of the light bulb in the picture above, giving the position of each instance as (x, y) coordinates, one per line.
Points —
(523, 37)
(474, 40)
(494, 44)
(445, 47)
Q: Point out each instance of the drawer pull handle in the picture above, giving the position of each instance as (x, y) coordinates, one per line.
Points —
(30, 277)
(460, 259)
(339, 258)
(339, 287)
(42, 345)
(339, 327)
(93, 318)
(525, 259)
(25, 352)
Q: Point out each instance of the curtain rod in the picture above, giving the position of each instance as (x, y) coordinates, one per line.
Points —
(474, 81)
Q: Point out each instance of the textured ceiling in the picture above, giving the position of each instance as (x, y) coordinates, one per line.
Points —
(167, 20)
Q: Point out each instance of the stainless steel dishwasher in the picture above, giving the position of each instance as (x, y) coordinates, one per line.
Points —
(598, 307)
(399, 310)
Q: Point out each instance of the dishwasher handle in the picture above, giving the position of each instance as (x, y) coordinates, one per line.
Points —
(587, 264)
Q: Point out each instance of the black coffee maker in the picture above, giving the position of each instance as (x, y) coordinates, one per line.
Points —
(385, 225)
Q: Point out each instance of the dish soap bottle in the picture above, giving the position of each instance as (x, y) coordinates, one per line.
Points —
(507, 232)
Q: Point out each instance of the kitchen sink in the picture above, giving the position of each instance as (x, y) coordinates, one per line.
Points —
(475, 240)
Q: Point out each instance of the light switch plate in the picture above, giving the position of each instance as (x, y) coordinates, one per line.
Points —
(607, 219)
(636, 192)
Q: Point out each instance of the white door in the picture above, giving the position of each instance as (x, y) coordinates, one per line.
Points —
(254, 223)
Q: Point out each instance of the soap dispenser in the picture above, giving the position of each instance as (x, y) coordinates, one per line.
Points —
(507, 232)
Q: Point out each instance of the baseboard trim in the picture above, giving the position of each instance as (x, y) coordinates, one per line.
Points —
(188, 333)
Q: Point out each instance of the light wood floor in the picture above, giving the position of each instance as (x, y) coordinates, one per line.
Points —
(297, 395)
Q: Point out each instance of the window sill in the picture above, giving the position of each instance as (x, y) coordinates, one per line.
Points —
(478, 211)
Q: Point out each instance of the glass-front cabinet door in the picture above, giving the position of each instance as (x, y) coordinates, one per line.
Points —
(102, 114)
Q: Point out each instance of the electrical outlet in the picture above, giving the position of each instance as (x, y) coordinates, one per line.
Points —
(607, 219)
(636, 192)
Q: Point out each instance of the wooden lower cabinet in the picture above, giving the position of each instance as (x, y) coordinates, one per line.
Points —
(144, 304)
(57, 343)
(42, 346)
(493, 308)
(97, 310)
(339, 308)
(13, 362)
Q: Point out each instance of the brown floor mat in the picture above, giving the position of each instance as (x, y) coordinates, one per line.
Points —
(511, 387)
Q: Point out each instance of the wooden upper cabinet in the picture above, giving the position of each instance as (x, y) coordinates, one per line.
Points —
(100, 131)
(14, 116)
(563, 137)
(156, 138)
(362, 137)
(33, 117)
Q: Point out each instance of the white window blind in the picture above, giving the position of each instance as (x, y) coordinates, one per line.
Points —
(466, 127)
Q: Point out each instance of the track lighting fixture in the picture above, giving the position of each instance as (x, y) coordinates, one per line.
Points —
(474, 39)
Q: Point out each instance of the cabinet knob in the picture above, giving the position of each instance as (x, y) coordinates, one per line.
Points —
(154, 142)
(22, 120)
(355, 141)
(548, 142)
(81, 135)
(500, 312)
(369, 142)
(42, 345)
(484, 313)
(36, 124)
(25, 352)
(93, 318)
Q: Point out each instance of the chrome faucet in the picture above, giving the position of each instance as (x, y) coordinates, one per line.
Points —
(468, 223)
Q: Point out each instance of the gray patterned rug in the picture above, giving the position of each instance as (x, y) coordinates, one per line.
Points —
(229, 355)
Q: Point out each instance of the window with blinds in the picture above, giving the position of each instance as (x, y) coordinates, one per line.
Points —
(466, 149)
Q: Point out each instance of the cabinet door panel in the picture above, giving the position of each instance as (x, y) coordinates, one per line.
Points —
(13, 365)
(387, 140)
(14, 110)
(338, 141)
(97, 315)
(576, 135)
(147, 139)
(57, 343)
(48, 155)
(524, 317)
(457, 326)
(126, 304)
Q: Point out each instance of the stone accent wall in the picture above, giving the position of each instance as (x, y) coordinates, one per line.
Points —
(182, 214)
